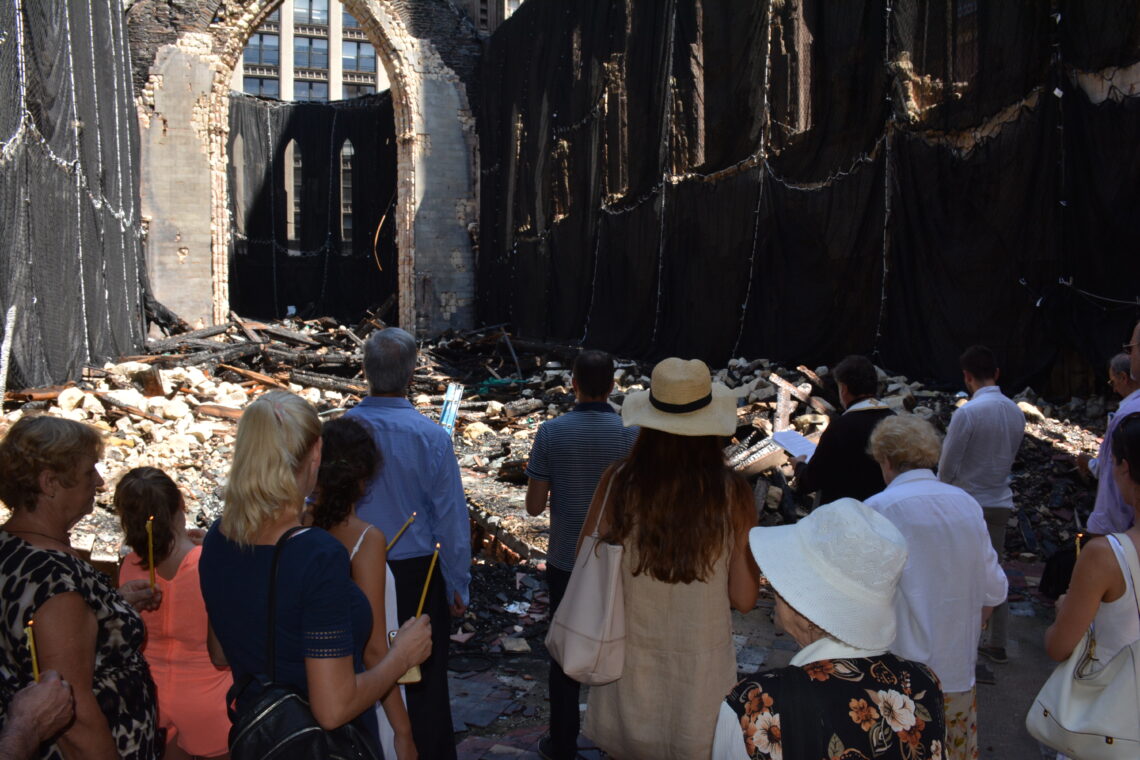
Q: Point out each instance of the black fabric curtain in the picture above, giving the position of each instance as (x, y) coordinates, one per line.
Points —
(71, 261)
(809, 179)
(304, 234)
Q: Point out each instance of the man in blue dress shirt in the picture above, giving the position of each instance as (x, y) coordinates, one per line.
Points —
(419, 474)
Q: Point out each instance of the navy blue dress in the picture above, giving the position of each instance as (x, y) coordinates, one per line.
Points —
(320, 611)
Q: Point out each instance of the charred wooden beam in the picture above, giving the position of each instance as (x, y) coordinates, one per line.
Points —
(172, 343)
(327, 382)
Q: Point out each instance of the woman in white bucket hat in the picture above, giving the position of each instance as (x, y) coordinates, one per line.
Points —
(844, 695)
(683, 518)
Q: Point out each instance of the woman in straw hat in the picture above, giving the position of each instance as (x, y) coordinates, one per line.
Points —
(844, 695)
(683, 519)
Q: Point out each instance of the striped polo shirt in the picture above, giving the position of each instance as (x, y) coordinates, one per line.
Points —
(570, 453)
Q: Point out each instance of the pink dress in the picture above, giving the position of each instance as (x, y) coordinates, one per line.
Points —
(191, 690)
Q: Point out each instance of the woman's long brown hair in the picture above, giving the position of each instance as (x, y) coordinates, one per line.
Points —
(681, 504)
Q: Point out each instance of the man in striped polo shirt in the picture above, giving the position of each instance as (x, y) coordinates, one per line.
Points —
(569, 455)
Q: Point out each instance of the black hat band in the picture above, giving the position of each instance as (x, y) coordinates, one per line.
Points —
(692, 406)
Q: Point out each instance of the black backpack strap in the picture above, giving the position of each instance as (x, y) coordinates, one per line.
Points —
(271, 628)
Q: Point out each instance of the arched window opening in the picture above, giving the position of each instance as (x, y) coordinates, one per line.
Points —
(346, 154)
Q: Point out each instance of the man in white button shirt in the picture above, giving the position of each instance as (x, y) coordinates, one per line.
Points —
(952, 577)
(981, 444)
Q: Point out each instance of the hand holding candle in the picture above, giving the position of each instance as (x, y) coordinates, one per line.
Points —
(413, 675)
(396, 537)
(150, 547)
(31, 636)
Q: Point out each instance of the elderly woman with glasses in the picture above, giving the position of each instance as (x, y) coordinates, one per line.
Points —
(844, 695)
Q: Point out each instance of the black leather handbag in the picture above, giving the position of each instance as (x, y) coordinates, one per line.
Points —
(277, 723)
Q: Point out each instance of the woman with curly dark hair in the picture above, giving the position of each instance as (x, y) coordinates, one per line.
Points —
(349, 460)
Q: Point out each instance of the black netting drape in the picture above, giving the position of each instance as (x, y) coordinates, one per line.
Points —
(71, 267)
(806, 179)
(310, 185)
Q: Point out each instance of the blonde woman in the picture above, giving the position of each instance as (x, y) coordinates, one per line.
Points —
(323, 620)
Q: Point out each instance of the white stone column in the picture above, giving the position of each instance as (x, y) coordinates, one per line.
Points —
(336, 47)
(286, 67)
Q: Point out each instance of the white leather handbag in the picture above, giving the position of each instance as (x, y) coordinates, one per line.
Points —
(587, 633)
(1092, 715)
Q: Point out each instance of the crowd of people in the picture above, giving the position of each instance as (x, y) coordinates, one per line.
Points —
(343, 552)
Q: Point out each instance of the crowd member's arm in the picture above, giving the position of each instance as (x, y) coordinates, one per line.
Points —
(140, 595)
(743, 573)
(451, 526)
(337, 694)
(538, 471)
(369, 570)
(66, 631)
(36, 714)
(214, 647)
(954, 448)
(1096, 578)
(537, 495)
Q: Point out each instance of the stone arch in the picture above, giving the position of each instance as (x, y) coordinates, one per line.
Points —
(437, 168)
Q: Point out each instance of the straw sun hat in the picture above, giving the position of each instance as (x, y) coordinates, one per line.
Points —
(683, 400)
(838, 567)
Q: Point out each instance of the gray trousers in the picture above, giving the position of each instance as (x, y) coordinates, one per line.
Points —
(996, 520)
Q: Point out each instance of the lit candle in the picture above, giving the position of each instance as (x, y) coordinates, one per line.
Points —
(427, 581)
(32, 649)
(1079, 537)
(396, 537)
(150, 547)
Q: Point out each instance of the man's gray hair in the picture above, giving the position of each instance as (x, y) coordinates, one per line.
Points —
(1120, 364)
(389, 360)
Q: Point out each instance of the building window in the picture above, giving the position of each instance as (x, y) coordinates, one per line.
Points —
(274, 16)
(349, 21)
(356, 90)
(310, 53)
(358, 56)
(263, 49)
(311, 11)
(346, 154)
(313, 91)
(263, 86)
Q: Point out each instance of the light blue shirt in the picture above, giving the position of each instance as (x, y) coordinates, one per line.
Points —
(419, 474)
(1111, 514)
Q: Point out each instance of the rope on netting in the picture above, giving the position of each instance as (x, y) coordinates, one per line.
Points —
(273, 206)
(886, 266)
(762, 152)
(594, 280)
(6, 348)
(78, 189)
(333, 192)
(664, 155)
(1068, 283)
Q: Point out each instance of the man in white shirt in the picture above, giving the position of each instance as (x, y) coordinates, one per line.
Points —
(952, 577)
(981, 444)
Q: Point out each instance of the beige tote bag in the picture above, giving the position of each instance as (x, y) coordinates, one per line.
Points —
(587, 634)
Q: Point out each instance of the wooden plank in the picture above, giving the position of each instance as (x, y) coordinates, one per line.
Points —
(289, 336)
(780, 382)
(46, 393)
(176, 340)
(257, 376)
(250, 334)
(217, 410)
(327, 382)
(110, 401)
(781, 420)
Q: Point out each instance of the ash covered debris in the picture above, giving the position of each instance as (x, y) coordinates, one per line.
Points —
(176, 408)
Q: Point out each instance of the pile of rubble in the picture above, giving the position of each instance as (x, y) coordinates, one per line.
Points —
(176, 408)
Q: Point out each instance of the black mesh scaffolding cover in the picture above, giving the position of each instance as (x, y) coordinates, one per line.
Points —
(71, 267)
(806, 179)
(296, 241)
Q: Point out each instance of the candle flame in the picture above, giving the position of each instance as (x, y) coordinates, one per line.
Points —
(437, 545)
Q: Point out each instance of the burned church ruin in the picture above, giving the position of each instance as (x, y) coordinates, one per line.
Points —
(792, 179)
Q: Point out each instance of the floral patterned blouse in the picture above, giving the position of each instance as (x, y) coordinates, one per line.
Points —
(880, 708)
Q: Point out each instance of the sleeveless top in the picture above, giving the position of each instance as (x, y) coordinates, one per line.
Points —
(679, 664)
(1117, 623)
(391, 622)
(122, 684)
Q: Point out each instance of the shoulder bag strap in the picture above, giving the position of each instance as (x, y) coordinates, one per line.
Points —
(271, 629)
(1129, 551)
(605, 500)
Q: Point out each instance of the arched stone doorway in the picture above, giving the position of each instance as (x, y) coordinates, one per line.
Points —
(183, 68)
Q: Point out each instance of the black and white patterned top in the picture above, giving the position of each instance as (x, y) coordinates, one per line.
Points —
(29, 576)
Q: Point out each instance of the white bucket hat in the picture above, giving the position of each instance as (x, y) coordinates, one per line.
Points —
(838, 567)
(683, 400)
